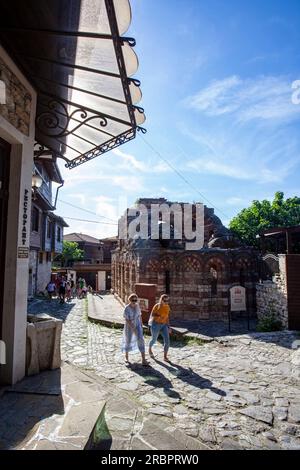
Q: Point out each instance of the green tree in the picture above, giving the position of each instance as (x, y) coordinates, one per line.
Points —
(262, 215)
(70, 253)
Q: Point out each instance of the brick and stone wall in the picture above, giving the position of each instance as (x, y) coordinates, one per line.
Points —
(271, 296)
(18, 101)
(192, 295)
(197, 281)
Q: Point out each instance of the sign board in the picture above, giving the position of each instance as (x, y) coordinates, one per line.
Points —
(23, 252)
(237, 299)
(144, 304)
(25, 220)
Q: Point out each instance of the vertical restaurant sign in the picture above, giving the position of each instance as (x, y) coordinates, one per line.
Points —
(25, 218)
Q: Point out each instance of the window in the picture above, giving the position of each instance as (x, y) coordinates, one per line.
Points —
(48, 257)
(35, 219)
(41, 257)
(58, 234)
(213, 282)
(49, 228)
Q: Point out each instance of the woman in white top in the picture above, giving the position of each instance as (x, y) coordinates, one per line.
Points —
(133, 338)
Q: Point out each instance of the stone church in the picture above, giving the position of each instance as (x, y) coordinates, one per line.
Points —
(197, 281)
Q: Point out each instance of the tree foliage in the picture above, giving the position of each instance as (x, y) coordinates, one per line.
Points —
(262, 215)
(70, 253)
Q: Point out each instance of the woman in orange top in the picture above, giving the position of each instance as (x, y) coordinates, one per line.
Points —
(159, 324)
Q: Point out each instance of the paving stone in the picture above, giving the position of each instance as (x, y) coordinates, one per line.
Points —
(280, 413)
(294, 414)
(281, 402)
(259, 413)
(269, 435)
(255, 372)
(159, 410)
(130, 386)
(230, 379)
(230, 444)
(207, 434)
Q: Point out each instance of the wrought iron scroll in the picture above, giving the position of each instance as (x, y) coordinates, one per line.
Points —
(56, 120)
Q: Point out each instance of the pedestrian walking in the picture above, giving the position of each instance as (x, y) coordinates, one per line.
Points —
(62, 290)
(68, 291)
(133, 338)
(159, 324)
(50, 289)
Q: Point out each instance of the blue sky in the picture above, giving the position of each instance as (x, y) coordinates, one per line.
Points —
(216, 78)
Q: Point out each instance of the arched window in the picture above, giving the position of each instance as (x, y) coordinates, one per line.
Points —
(213, 282)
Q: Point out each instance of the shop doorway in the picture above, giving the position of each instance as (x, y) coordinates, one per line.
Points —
(4, 184)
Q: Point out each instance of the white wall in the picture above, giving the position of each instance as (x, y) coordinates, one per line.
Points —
(101, 280)
(16, 269)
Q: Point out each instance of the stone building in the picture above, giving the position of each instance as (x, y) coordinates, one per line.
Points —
(197, 281)
(278, 293)
(46, 235)
(95, 266)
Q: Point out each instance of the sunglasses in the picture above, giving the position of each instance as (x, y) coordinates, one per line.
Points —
(165, 300)
(134, 300)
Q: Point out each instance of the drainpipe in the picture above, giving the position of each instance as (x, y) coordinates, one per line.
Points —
(57, 189)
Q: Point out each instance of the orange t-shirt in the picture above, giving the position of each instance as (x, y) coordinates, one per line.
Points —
(160, 314)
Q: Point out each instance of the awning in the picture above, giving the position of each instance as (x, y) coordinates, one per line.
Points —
(280, 230)
(74, 54)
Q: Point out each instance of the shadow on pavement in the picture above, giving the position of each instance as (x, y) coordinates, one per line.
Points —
(51, 307)
(156, 379)
(26, 404)
(190, 377)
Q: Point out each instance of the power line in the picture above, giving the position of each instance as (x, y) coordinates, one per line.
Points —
(181, 176)
(91, 221)
(85, 210)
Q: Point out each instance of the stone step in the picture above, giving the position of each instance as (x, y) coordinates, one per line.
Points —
(54, 410)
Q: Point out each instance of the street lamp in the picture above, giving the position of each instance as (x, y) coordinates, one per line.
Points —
(36, 183)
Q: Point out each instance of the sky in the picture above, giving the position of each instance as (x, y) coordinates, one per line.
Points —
(216, 78)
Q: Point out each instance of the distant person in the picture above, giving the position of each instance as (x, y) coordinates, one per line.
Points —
(84, 289)
(62, 290)
(159, 324)
(68, 291)
(51, 289)
(73, 288)
(133, 337)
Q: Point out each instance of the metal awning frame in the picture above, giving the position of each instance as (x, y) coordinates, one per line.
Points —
(49, 121)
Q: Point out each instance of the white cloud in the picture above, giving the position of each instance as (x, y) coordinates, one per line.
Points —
(207, 165)
(131, 160)
(261, 98)
(244, 170)
(244, 156)
(96, 171)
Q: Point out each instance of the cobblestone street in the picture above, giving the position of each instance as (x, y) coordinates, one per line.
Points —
(240, 392)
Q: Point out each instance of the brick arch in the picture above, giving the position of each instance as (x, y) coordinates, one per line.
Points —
(189, 263)
(166, 264)
(216, 263)
(242, 263)
(152, 265)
